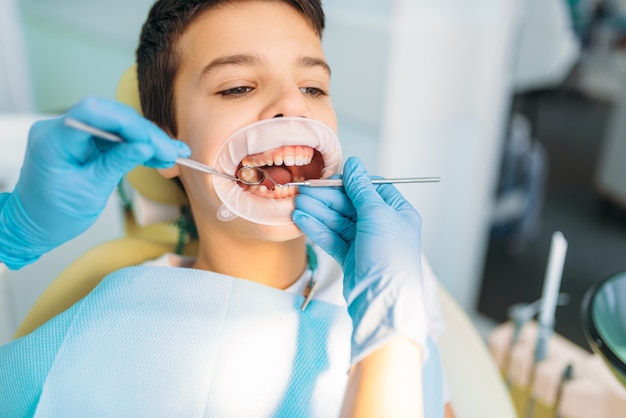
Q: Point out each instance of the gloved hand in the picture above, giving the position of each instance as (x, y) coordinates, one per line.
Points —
(375, 235)
(68, 176)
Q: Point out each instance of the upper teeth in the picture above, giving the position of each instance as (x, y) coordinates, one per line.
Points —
(289, 156)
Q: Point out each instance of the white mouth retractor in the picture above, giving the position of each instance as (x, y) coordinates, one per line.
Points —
(263, 136)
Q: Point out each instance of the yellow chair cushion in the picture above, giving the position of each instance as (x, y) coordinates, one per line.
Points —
(140, 244)
(85, 273)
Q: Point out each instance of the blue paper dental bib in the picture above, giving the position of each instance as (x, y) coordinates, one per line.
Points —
(165, 342)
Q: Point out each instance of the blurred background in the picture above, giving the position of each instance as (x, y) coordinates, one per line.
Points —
(519, 106)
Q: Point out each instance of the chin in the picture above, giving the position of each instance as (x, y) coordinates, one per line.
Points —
(280, 233)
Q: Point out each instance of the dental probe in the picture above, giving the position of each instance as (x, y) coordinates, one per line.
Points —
(73, 123)
(339, 182)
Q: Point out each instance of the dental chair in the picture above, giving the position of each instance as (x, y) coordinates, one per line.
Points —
(475, 383)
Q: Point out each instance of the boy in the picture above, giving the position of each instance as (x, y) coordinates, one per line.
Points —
(209, 68)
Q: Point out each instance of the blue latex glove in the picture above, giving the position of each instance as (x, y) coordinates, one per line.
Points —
(68, 176)
(375, 235)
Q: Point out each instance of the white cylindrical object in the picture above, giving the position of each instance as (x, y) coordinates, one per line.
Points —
(552, 281)
(15, 82)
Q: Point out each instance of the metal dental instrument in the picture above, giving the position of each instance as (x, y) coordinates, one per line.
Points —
(549, 297)
(73, 123)
(339, 182)
(566, 376)
(250, 176)
(326, 182)
(520, 314)
(256, 175)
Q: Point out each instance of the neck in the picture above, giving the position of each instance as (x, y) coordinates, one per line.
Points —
(275, 264)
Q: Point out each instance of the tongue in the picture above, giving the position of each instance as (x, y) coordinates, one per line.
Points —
(279, 174)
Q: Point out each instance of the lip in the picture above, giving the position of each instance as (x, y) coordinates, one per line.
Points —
(259, 204)
(271, 134)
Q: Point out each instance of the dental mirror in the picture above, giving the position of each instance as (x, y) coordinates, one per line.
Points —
(252, 176)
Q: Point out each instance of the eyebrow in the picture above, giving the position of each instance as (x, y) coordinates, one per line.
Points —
(247, 59)
(239, 59)
(315, 62)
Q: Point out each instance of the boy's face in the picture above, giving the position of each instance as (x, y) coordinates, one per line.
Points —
(241, 63)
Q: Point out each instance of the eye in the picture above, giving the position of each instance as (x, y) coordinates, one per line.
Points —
(313, 91)
(235, 92)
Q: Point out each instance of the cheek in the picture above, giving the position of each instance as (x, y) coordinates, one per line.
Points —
(204, 141)
(327, 116)
(206, 135)
(198, 126)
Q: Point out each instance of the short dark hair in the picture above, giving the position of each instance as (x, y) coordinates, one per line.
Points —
(158, 61)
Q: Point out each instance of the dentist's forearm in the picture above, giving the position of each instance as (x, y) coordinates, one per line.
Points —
(386, 383)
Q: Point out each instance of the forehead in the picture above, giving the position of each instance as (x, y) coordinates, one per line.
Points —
(241, 23)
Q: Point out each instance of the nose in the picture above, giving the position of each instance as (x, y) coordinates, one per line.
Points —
(287, 100)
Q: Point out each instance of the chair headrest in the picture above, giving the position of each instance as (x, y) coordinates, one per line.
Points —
(143, 180)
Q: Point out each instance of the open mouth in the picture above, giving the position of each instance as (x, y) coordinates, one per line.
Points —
(283, 165)
(286, 149)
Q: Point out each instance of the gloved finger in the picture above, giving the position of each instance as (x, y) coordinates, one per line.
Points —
(396, 200)
(121, 159)
(113, 117)
(320, 234)
(166, 150)
(333, 220)
(333, 197)
(122, 120)
(359, 188)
